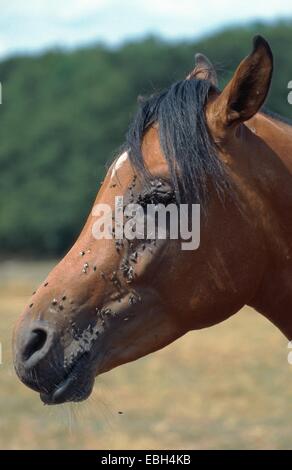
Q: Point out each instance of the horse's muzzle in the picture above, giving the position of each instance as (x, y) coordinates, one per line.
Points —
(39, 363)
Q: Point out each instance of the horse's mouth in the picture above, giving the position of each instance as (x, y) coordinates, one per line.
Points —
(76, 386)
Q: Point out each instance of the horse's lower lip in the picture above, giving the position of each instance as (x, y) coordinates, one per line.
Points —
(67, 390)
(60, 394)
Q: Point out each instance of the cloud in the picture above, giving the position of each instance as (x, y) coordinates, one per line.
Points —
(209, 8)
(35, 25)
(80, 8)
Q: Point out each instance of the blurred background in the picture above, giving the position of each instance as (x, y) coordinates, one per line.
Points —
(71, 73)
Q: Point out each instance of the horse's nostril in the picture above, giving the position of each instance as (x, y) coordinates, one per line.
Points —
(36, 342)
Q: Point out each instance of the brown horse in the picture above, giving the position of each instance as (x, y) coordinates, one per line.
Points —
(110, 301)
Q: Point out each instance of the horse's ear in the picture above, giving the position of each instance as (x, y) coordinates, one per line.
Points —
(246, 92)
(203, 70)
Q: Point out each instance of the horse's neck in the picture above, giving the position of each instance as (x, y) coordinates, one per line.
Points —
(273, 170)
(276, 134)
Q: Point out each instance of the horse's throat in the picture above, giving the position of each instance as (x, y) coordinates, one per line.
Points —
(274, 298)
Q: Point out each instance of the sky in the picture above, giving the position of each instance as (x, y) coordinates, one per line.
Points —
(29, 26)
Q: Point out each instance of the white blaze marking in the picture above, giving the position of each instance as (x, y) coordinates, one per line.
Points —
(119, 163)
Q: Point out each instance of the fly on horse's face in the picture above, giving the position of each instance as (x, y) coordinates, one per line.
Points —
(112, 301)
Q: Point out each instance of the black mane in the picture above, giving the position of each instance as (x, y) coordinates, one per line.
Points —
(186, 143)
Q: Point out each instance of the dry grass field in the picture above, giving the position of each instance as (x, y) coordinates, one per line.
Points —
(227, 387)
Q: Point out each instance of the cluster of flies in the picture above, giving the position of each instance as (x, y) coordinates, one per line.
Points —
(82, 341)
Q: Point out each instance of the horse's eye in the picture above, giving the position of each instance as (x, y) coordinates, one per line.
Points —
(158, 193)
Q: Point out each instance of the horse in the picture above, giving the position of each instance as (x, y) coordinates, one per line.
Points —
(111, 301)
